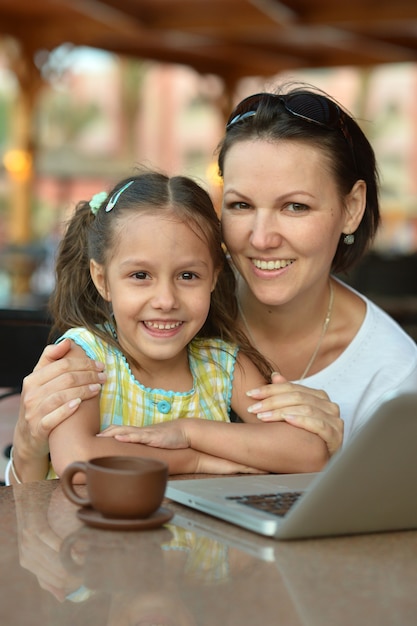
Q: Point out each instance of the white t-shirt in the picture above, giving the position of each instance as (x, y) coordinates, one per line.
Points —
(381, 359)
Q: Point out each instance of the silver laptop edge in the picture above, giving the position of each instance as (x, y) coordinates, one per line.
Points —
(369, 486)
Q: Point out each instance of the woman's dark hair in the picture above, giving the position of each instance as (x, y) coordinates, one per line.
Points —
(76, 302)
(306, 114)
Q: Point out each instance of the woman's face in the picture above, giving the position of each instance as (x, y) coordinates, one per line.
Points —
(282, 216)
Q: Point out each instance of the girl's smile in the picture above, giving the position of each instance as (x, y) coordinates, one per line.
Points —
(159, 281)
(162, 328)
(162, 325)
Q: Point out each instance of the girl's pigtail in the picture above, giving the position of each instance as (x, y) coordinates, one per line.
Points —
(75, 300)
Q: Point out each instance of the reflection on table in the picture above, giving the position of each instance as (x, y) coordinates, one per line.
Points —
(195, 570)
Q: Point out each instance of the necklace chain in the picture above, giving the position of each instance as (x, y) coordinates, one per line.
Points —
(322, 334)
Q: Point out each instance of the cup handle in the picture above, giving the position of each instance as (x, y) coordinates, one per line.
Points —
(66, 557)
(68, 487)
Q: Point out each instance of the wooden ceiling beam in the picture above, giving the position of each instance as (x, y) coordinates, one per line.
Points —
(356, 12)
(197, 15)
(247, 37)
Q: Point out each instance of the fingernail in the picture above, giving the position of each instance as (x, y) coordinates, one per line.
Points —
(94, 387)
(74, 403)
(102, 376)
(255, 408)
(265, 414)
(252, 392)
(99, 365)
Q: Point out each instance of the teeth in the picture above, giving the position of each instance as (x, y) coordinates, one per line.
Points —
(271, 265)
(162, 326)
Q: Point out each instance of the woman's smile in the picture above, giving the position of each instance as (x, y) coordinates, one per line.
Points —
(282, 225)
(271, 264)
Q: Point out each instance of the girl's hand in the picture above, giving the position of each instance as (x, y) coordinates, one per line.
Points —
(170, 435)
(173, 435)
(300, 406)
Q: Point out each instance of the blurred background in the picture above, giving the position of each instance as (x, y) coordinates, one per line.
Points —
(90, 89)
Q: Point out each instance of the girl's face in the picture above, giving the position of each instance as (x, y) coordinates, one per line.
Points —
(283, 216)
(158, 280)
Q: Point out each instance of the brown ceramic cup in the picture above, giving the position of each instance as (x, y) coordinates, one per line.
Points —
(119, 486)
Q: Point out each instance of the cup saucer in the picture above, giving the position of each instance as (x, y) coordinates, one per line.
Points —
(94, 518)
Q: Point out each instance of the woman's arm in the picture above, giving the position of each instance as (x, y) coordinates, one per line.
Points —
(276, 447)
(265, 439)
(310, 409)
(50, 394)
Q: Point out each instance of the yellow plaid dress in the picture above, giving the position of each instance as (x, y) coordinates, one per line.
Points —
(125, 401)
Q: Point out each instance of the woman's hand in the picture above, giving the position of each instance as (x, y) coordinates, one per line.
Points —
(54, 390)
(50, 394)
(300, 406)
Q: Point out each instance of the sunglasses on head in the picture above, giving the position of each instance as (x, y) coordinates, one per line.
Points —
(311, 107)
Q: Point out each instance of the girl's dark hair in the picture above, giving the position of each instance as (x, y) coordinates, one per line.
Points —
(269, 116)
(76, 302)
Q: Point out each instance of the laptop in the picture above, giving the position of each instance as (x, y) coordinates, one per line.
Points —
(368, 486)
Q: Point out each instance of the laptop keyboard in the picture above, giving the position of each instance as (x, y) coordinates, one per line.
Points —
(275, 503)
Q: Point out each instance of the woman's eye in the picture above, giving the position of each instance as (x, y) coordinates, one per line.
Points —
(296, 207)
(238, 205)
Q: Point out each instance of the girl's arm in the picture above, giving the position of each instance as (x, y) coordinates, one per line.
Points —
(271, 447)
(76, 439)
(274, 447)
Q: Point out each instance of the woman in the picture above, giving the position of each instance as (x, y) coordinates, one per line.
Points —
(300, 202)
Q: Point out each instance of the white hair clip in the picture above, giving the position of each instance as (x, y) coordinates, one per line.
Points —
(112, 202)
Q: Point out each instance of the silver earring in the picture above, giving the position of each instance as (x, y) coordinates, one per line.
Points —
(349, 239)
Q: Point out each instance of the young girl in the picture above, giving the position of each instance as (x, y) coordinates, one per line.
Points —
(143, 286)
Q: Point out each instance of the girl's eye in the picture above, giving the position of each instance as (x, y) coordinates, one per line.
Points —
(187, 275)
(141, 275)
